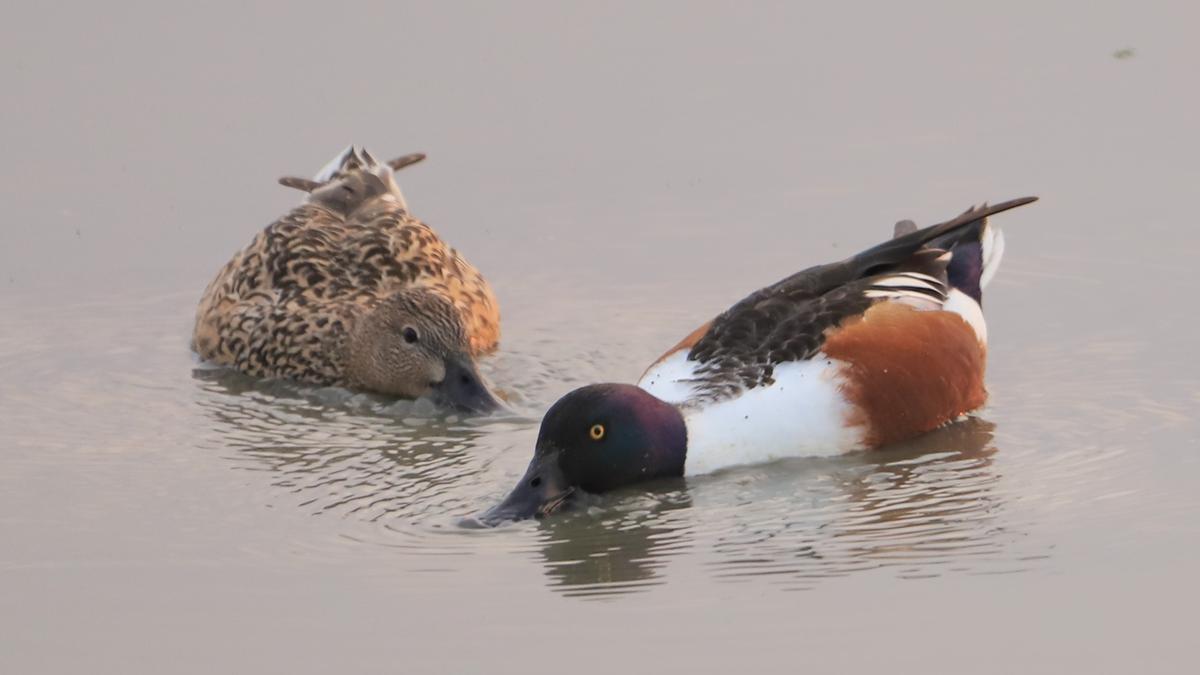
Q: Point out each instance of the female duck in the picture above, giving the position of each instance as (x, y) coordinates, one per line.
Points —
(852, 355)
(348, 289)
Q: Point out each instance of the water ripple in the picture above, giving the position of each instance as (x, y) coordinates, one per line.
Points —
(394, 478)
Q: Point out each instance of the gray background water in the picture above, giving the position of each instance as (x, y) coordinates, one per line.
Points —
(620, 173)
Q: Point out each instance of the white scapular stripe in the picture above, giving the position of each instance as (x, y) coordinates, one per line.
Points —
(910, 279)
(915, 299)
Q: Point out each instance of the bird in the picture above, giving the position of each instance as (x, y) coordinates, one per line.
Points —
(349, 289)
(847, 356)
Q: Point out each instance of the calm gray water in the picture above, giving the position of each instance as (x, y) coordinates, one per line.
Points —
(621, 174)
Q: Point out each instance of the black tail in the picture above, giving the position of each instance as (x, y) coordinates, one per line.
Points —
(943, 235)
(887, 256)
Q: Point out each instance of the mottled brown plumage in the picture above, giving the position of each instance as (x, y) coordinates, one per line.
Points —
(298, 301)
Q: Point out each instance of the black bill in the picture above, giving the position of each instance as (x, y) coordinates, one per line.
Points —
(540, 492)
(463, 388)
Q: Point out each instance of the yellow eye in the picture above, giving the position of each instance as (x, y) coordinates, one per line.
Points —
(597, 432)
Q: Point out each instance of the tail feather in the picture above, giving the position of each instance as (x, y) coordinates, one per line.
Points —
(975, 258)
(352, 179)
(336, 164)
(943, 235)
(357, 157)
(976, 248)
(992, 253)
(903, 227)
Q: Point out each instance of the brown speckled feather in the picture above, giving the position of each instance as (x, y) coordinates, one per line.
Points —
(282, 307)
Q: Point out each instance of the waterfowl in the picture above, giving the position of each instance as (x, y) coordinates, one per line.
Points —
(349, 289)
(848, 356)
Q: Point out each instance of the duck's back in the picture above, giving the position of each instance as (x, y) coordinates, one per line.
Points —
(852, 355)
(282, 306)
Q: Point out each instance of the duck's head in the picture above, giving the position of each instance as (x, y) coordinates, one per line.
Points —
(413, 344)
(595, 439)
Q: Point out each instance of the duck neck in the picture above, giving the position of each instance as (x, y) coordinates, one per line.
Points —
(668, 453)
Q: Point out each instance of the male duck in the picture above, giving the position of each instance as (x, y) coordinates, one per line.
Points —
(853, 355)
(348, 289)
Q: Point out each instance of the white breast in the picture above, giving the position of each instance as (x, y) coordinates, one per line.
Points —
(801, 414)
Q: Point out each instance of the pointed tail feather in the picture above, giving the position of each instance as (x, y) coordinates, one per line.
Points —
(977, 249)
(406, 160)
(350, 159)
(352, 179)
(334, 165)
(356, 157)
(993, 252)
(966, 227)
(973, 253)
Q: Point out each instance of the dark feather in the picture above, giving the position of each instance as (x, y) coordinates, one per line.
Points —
(787, 321)
(406, 160)
(308, 185)
(903, 227)
(302, 184)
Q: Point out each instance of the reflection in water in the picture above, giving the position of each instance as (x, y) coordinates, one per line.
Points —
(925, 507)
(343, 452)
(615, 548)
(132, 493)
(920, 506)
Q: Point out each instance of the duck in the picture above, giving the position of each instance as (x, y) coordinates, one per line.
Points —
(843, 357)
(348, 289)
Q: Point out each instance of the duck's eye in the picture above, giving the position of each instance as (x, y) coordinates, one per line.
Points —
(596, 432)
(410, 335)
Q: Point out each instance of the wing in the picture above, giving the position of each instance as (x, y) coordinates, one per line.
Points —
(382, 249)
(744, 345)
(386, 248)
(393, 249)
(816, 281)
(286, 265)
(788, 321)
(315, 252)
(309, 258)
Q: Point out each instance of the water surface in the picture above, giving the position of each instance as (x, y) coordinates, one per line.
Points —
(620, 175)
